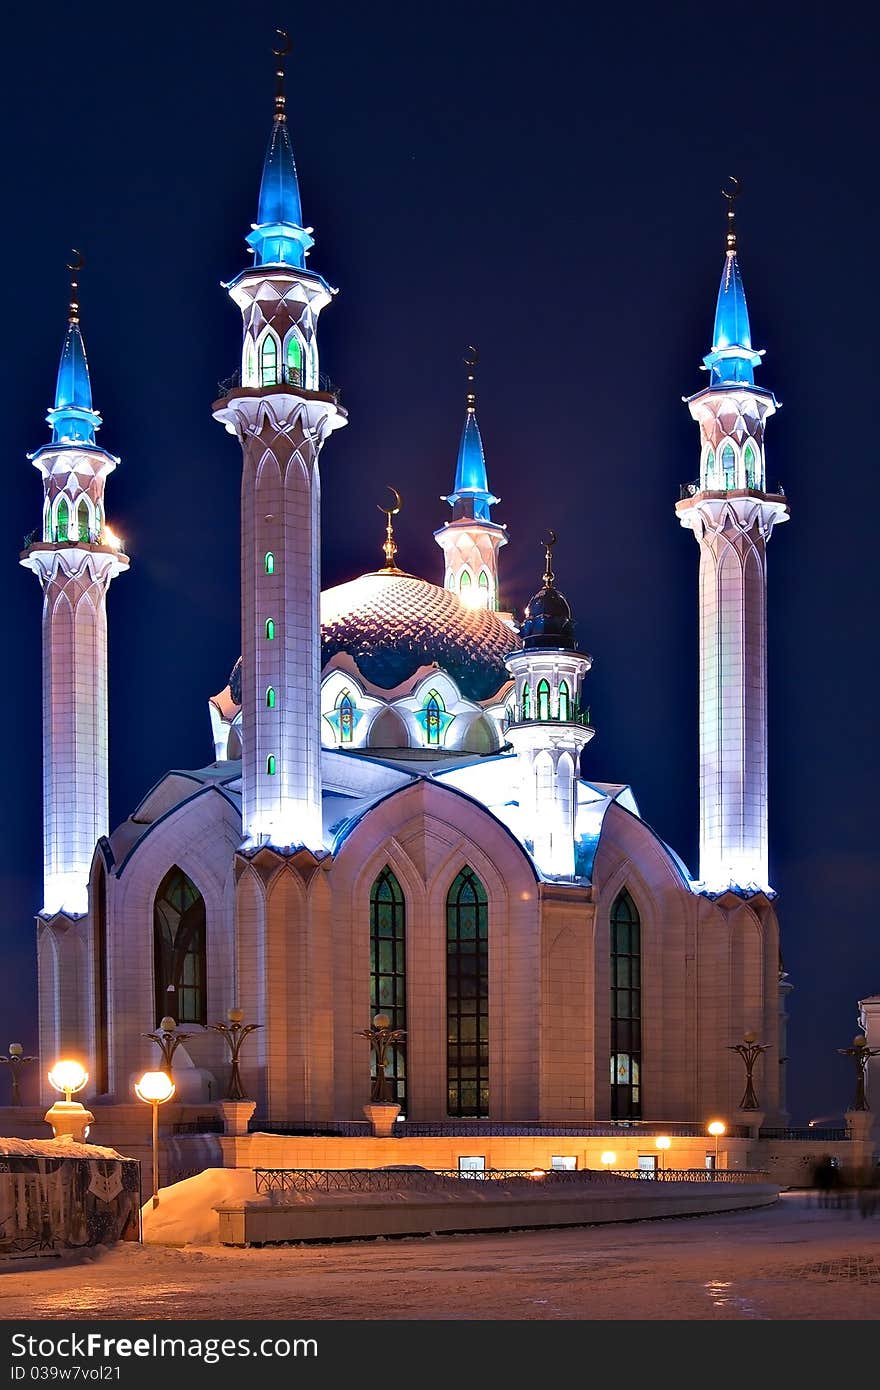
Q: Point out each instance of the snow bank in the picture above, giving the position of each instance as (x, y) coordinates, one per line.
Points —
(63, 1147)
(185, 1214)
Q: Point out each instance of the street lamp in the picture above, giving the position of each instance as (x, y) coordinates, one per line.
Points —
(155, 1087)
(16, 1061)
(607, 1159)
(168, 1040)
(716, 1128)
(68, 1117)
(235, 1033)
(663, 1142)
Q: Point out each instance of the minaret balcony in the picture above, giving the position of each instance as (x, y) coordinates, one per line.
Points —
(290, 376)
(580, 718)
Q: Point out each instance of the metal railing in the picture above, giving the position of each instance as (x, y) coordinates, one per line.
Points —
(576, 716)
(450, 1179)
(818, 1136)
(210, 1124)
(291, 376)
(604, 1129)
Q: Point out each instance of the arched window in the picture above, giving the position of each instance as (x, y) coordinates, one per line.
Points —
(464, 583)
(99, 521)
(270, 629)
(294, 360)
(179, 949)
(433, 710)
(467, 996)
(270, 562)
(626, 1009)
(484, 587)
(543, 699)
(728, 466)
(526, 702)
(564, 701)
(82, 520)
(62, 521)
(710, 468)
(47, 521)
(270, 697)
(388, 973)
(250, 363)
(269, 361)
(270, 765)
(749, 459)
(346, 718)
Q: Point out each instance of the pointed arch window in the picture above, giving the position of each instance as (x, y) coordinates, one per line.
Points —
(728, 466)
(269, 361)
(388, 972)
(294, 360)
(82, 520)
(464, 583)
(626, 1009)
(47, 520)
(467, 996)
(710, 468)
(270, 765)
(485, 587)
(269, 562)
(526, 701)
(543, 694)
(434, 708)
(99, 521)
(62, 521)
(250, 363)
(346, 722)
(749, 460)
(270, 697)
(270, 629)
(564, 701)
(179, 949)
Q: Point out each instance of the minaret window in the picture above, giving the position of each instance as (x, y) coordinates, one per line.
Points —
(483, 584)
(270, 697)
(47, 521)
(626, 1009)
(388, 971)
(179, 949)
(82, 521)
(269, 361)
(62, 521)
(749, 458)
(99, 521)
(467, 996)
(543, 699)
(270, 629)
(564, 701)
(294, 360)
(346, 720)
(710, 468)
(270, 765)
(728, 466)
(270, 562)
(526, 702)
(464, 583)
(249, 363)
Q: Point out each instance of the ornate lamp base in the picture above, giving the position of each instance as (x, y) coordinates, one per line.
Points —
(382, 1115)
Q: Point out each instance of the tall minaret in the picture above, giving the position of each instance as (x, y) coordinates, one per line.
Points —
(75, 558)
(471, 540)
(732, 516)
(548, 728)
(281, 416)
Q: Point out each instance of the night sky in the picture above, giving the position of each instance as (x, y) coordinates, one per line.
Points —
(542, 181)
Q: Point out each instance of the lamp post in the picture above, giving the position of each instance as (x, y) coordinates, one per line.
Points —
(716, 1128)
(168, 1040)
(381, 1036)
(749, 1050)
(68, 1117)
(608, 1159)
(16, 1061)
(663, 1142)
(235, 1033)
(155, 1087)
(861, 1054)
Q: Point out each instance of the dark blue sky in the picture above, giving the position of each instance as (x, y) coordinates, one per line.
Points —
(543, 182)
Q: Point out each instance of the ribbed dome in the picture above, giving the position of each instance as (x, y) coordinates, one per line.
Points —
(548, 621)
(391, 624)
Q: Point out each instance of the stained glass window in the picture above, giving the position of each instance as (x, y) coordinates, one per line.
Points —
(433, 709)
(467, 996)
(484, 586)
(388, 972)
(464, 582)
(270, 562)
(346, 721)
(269, 361)
(543, 699)
(270, 764)
(710, 468)
(270, 697)
(749, 457)
(626, 1009)
(526, 702)
(294, 360)
(179, 949)
(728, 465)
(82, 520)
(62, 521)
(270, 629)
(564, 701)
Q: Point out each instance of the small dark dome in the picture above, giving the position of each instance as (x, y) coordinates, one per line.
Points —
(548, 621)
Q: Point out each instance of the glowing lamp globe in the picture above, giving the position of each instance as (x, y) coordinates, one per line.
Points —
(716, 1128)
(538, 1173)
(663, 1141)
(608, 1157)
(68, 1076)
(67, 1117)
(155, 1087)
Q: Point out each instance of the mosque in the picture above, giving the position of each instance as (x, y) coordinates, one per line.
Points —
(400, 815)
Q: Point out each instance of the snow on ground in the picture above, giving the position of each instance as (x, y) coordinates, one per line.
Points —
(62, 1147)
(185, 1214)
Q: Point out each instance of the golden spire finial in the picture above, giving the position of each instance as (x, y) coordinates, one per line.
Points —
(74, 266)
(281, 51)
(731, 191)
(548, 558)
(470, 361)
(389, 546)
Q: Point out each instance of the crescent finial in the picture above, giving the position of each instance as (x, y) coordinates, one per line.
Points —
(286, 44)
(389, 547)
(731, 188)
(77, 262)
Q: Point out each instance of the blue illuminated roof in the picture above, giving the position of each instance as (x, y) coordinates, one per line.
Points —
(278, 237)
(471, 482)
(732, 360)
(72, 418)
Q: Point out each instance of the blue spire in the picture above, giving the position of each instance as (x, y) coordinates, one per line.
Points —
(471, 497)
(72, 418)
(733, 359)
(278, 236)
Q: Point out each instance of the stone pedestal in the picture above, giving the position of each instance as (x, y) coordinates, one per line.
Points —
(859, 1124)
(752, 1119)
(382, 1115)
(68, 1117)
(235, 1115)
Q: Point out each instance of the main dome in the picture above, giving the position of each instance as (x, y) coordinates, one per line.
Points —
(392, 623)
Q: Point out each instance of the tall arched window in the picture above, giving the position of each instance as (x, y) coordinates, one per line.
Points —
(269, 361)
(749, 460)
(62, 521)
(543, 699)
(464, 583)
(270, 629)
(626, 1009)
(388, 972)
(250, 363)
(294, 360)
(710, 468)
(484, 587)
(47, 520)
(526, 702)
(270, 697)
(728, 466)
(346, 720)
(179, 949)
(270, 562)
(467, 996)
(82, 520)
(271, 765)
(564, 701)
(433, 710)
(99, 521)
